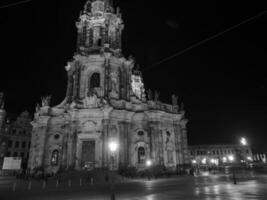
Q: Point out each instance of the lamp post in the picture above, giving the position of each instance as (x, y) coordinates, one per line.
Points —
(243, 141)
(148, 165)
(113, 147)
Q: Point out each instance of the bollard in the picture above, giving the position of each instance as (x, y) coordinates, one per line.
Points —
(92, 181)
(14, 186)
(57, 184)
(112, 197)
(69, 183)
(44, 185)
(30, 185)
(80, 182)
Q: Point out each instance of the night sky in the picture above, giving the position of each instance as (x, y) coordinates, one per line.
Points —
(222, 83)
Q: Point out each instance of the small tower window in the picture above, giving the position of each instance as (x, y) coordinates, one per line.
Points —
(141, 155)
(54, 158)
(170, 156)
(99, 42)
(95, 81)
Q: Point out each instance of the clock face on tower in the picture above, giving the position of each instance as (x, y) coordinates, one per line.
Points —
(137, 86)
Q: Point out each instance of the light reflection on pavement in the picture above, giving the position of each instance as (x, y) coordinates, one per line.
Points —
(213, 187)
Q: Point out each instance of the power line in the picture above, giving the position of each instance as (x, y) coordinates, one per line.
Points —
(206, 40)
(14, 4)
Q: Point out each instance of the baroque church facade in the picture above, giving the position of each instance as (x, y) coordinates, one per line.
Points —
(106, 101)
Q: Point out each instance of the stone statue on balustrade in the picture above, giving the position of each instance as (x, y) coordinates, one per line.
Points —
(174, 100)
(46, 101)
(2, 101)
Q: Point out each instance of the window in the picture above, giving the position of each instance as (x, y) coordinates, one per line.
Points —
(57, 136)
(29, 145)
(14, 131)
(95, 81)
(54, 157)
(168, 134)
(170, 156)
(15, 154)
(10, 143)
(17, 144)
(8, 154)
(23, 144)
(140, 133)
(247, 151)
(141, 155)
(22, 155)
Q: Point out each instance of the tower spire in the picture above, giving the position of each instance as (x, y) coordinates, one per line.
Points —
(99, 27)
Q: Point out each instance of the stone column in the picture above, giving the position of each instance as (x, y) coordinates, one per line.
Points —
(105, 123)
(178, 147)
(82, 88)
(121, 143)
(156, 142)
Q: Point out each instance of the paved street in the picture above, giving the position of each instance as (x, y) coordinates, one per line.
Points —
(219, 187)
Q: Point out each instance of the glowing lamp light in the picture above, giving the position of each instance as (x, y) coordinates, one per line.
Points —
(231, 158)
(204, 161)
(148, 163)
(243, 141)
(212, 161)
(113, 146)
(249, 158)
(224, 159)
(194, 161)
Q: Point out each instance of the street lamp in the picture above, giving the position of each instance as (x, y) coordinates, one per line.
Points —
(148, 163)
(113, 147)
(231, 158)
(243, 141)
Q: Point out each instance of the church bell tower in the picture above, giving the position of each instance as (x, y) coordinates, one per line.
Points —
(99, 26)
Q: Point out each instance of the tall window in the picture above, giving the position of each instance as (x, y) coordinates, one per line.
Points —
(170, 156)
(17, 144)
(141, 155)
(95, 80)
(54, 157)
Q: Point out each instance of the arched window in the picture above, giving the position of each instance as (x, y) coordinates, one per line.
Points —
(54, 157)
(141, 133)
(141, 155)
(95, 80)
(170, 156)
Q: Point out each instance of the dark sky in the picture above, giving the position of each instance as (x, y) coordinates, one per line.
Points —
(222, 82)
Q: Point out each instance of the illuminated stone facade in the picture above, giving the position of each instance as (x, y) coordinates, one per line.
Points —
(106, 101)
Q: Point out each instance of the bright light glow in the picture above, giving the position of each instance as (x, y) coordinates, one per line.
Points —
(231, 158)
(212, 161)
(113, 146)
(224, 159)
(249, 158)
(148, 163)
(194, 161)
(243, 141)
(204, 161)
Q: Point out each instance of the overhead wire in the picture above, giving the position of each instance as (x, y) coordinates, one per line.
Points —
(205, 40)
(15, 4)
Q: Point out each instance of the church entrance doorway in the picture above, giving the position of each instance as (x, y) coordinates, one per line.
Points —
(88, 154)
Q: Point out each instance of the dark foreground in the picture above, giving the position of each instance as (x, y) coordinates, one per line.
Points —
(206, 186)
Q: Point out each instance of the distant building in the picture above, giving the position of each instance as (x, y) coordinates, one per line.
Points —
(260, 157)
(3, 141)
(219, 154)
(19, 137)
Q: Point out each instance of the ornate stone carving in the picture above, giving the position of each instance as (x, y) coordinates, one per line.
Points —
(150, 95)
(156, 97)
(174, 100)
(2, 102)
(46, 101)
